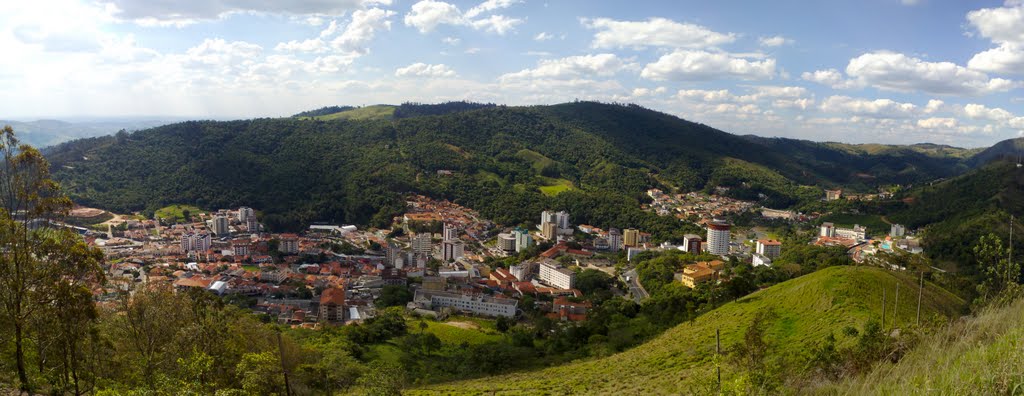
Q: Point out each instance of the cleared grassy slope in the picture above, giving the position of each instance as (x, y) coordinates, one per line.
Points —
(375, 112)
(806, 310)
(983, 355)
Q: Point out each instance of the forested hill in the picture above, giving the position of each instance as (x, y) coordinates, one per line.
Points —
(510, 163)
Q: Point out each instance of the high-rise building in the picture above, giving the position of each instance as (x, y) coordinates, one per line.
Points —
(523, 239)
(718, 237)
(554, 275)
(897, 230)
(289, 244)
(691, 243)
(220, 225)
(241, 247)
(769, 248)
(562, 219)
(195, 242)
(549, 231)
(548, 216)
(631, 237)
(450, 232)
(507, 242)
(244, 213)
(452, 249)
(614, 240)
(421, 243)
(252, 225)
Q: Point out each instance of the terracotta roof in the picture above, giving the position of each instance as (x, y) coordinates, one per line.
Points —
(334, 296)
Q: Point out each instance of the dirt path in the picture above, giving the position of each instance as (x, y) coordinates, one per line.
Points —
(464, 325)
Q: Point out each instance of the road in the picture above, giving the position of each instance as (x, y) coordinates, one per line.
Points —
(635, 288)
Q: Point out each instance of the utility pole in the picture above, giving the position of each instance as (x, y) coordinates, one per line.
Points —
(718, 353)
(920, 293)
(1009, 259)
(896, 307)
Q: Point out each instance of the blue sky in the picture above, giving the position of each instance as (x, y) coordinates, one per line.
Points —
(888, 71)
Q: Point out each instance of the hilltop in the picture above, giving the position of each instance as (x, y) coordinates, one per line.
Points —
(804, 311)
(507, 162)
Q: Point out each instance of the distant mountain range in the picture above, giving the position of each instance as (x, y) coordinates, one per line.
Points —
(44, 133)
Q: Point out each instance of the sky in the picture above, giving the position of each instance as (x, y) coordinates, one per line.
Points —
(880, 71)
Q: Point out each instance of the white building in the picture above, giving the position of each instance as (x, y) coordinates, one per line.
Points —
(758, 259)
(521, 271)
(827, 230)
(421, 243)
(507, 242)
(244, 214)
(897, 230)
(195, 242)
(523, 239)
(553, 274)
(220, 225)
(858, 233)
(252, 225)
(289, 244)
(452, 249)
(480, 305)
(718, 237)
(614, 240)
(769, 248)
(559, 219)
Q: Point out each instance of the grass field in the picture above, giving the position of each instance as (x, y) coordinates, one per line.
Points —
(375, 112)
(175, 212)
(554, 186)
(537, 160)
(453, 335)
(876, 226)
(805, 310)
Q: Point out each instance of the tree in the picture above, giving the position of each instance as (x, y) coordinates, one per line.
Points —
(589, 281)
(392, 296)
(382, 379)
(37, 258)
(1000, 275)
(260, 373)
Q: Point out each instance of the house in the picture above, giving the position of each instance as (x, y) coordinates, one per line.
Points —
(565, 310)
(701, 272)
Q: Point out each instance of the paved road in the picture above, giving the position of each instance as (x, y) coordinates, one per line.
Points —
(635, 288)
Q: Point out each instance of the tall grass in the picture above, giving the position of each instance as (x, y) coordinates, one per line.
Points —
(980, 355)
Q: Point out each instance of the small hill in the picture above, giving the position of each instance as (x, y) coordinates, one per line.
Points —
(1010, 149)
(805, 311)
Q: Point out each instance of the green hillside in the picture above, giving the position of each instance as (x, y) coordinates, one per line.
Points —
(376, 112)
(981, 355)
(507, 162)
(804, 311)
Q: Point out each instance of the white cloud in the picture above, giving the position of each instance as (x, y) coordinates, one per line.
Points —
(420, 69)
(572, 67)
(644, 92)
(829, 77)
(933, 106)
(1001, 25)
(801, 104)
(1006, 58)
(885, 108)
(185, 12)
(543, 36)
(654, 32)
(488, 6)
(774, 41)
(353, 40)
(451, 40)
(977, 111)
(684, 65)
(898, 72)
(938, 123)
(427, 15)
(499, 24)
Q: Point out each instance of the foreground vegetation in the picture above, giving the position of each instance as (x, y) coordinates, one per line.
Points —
(803, 313)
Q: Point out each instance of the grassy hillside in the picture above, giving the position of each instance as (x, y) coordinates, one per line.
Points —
(376, 112)
(804, 311)
(176, 213)
(981, 355)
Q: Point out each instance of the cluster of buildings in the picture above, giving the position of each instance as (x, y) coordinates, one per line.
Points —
(696, 204)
